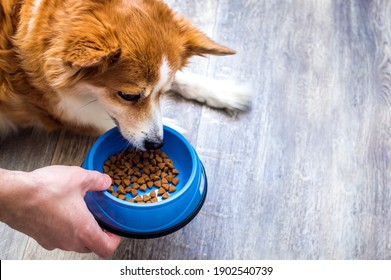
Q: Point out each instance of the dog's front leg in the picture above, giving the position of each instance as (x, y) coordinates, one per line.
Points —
(222, 94)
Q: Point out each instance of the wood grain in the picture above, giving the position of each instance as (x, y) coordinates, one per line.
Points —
(305, 174)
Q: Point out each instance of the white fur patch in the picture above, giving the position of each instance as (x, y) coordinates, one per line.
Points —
(165, 78)
(34, 10)
(164, 84)
(223, 94)
(80, 106)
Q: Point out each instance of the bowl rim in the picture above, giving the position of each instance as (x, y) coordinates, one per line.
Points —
(186, 187)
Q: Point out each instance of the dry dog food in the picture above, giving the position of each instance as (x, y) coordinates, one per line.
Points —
(133, 171)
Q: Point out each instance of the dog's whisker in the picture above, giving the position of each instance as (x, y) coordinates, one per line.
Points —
(87, 104)
(126, 146)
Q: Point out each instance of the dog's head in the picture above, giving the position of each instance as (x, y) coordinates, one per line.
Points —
(129, 51)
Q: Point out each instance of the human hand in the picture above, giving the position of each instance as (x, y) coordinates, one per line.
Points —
(48, 205)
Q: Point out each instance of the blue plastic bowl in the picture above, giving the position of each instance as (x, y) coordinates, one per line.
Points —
(155, 219)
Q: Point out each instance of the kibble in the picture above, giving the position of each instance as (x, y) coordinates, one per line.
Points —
(161, 191)
(133, 171)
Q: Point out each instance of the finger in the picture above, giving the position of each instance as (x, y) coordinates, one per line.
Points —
(109, 243)
(95, 181)
(95, 238)
(115, 240)
(102, 243)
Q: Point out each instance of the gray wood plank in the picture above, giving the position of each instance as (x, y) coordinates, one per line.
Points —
(27, 149)
(304, 156)
(12, 244)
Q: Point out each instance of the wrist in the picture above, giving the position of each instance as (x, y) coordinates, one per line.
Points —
(15, 187)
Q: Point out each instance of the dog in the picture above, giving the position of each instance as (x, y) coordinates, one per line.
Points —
(90, 65)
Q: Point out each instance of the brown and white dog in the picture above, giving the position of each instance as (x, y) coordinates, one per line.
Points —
(89, 65)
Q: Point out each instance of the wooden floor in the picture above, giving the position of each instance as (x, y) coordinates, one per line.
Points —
(306, 173)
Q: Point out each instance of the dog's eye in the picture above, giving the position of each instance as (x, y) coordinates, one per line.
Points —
(129, 97)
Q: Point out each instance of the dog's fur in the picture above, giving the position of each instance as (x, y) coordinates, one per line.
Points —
(73, 64)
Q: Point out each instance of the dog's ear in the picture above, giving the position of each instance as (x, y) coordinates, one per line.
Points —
(197, 43)
(87, 52)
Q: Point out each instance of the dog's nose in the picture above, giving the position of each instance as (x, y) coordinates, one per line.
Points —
(153, 145)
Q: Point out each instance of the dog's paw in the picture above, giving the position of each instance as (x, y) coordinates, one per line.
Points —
(221, 94)
(226, 94)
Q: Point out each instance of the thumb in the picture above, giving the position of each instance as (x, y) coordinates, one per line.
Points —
(95, 181)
